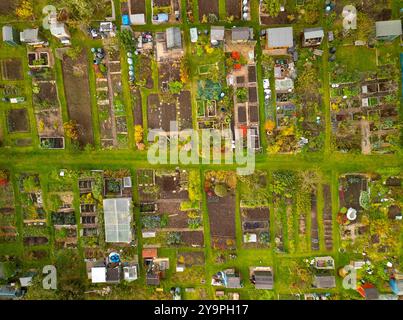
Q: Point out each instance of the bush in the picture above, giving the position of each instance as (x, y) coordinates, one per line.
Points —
(189, 205)
(221, 190)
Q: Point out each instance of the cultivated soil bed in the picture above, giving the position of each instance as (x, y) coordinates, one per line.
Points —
(78, 95)
(47, 96)
(233, 8)
(17, 120)
(160, 116)
(185, 109)
(11, 69)
(222, 217)
(138, 6)
(208, 6)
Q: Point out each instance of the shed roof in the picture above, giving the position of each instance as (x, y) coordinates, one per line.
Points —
(388, 28)
(138, 18)
(263, 279)
(371, 293)
(280, 37)
(240, 33)
(193, 34)
(312, 33)
(325, 282)
(8, 33)
(117, 220)
(174, 38)
(217, 33)
(30, 35)
(233, 282)
(98, 274)
(150, 253)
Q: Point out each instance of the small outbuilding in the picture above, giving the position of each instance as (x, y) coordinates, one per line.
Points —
(241, 34)
(388, 30)
(263, 279)
(324, 282)
(313, 37)
(10, 36)
(31, 37)
(279, 40)
(217, 34)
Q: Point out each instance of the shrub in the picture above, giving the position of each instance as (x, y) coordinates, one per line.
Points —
(189, 205)
(221, 190)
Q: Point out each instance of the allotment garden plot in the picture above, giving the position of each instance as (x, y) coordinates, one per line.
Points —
(170, 208)
(369, 221)
(76, 86)
(220, 196)
(8, 228)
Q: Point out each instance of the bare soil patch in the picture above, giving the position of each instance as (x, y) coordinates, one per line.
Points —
(185, 109)
(78, 95)
(17, 120)
(138, 6)
(233, 8)
(193, 238)
(222, 216)
(7, 7)
(208, 6)
(160, 115)
(137, 108)
(11, 69)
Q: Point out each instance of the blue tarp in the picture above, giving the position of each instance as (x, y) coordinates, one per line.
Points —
(162, 17)
(125, 20)
(393, 286)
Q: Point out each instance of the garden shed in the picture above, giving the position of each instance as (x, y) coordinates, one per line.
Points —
(279, 40)
(263, 279)
(9, 36)
(388, 30)
(313, 37)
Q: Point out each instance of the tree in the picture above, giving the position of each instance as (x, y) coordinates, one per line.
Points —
(269, 125)
(175, 87)
(312, 14)
(271, 7)
(25, 10)
(71, 129)
(138, 134)
(220, 190)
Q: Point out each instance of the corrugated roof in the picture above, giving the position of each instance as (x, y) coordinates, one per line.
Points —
(312, 33)
(7, 33)
(388, 28)
(280, 37)
(29, 35)
(241, 33)
(263, 280)
(217, 33)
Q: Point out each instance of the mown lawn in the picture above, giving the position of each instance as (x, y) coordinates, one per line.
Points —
(357, 58)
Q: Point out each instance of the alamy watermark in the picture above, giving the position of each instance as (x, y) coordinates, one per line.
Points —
(205, 146)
